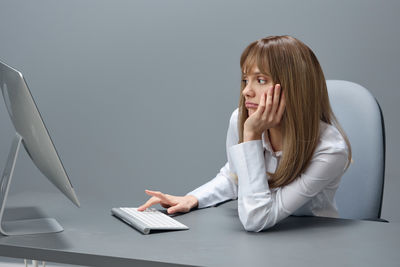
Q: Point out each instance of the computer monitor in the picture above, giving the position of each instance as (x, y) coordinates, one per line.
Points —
(32, 133)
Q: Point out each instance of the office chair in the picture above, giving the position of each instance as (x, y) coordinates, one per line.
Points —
(360, 193)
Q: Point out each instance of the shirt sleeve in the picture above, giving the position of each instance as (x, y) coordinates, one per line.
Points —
(222, 187)
(259, 207)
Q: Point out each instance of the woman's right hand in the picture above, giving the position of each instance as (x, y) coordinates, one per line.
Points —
(268, 115)
(172, 203)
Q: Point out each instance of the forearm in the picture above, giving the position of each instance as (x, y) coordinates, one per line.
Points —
(217, 190)
(255, 201)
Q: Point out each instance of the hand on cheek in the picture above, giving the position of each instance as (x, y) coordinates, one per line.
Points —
(268, 114)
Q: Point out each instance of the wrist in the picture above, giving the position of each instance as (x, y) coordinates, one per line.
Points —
(194, 202)
(250, 136)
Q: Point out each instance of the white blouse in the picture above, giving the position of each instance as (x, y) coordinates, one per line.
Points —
(260, 207)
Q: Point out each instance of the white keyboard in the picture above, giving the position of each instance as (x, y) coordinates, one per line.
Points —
(149, 219)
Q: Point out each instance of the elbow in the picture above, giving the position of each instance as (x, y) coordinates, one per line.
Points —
(256, 220)
(256, 227)
(251, 228)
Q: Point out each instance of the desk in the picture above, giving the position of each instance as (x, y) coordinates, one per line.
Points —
(93, 237)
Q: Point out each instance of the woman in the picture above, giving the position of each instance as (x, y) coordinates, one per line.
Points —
(286, 151)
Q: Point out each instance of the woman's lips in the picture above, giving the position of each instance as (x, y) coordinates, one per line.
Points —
(251, 105)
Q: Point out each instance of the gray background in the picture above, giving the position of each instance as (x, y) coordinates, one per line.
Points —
(138, 94)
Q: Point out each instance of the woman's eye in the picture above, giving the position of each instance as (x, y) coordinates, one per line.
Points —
(262, 81)
(245, 81)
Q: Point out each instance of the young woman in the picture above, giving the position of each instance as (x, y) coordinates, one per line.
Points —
(286, 151)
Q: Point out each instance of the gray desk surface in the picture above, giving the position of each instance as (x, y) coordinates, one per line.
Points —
(93, 237)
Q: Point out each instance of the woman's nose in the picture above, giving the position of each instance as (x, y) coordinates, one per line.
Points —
(247, 91)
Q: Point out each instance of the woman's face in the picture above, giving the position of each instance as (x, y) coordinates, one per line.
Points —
(256, 84)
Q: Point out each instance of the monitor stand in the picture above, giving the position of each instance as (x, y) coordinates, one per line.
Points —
(20, 227)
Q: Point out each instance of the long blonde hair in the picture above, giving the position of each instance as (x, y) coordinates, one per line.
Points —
(294, 66)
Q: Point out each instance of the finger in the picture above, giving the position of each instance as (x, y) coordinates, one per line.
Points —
(152, 201)
(282, 106)
(158, 194)
(268, 104)
(177, 208)
(275, 101)
(261, 106)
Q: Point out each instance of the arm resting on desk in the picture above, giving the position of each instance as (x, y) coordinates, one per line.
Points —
(259, 207)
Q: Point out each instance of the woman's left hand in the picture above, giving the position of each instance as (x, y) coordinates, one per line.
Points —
(268, 114)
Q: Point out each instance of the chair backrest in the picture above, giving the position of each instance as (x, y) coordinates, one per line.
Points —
(360, 193)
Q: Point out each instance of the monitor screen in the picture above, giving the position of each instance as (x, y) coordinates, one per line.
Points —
(29, 125)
